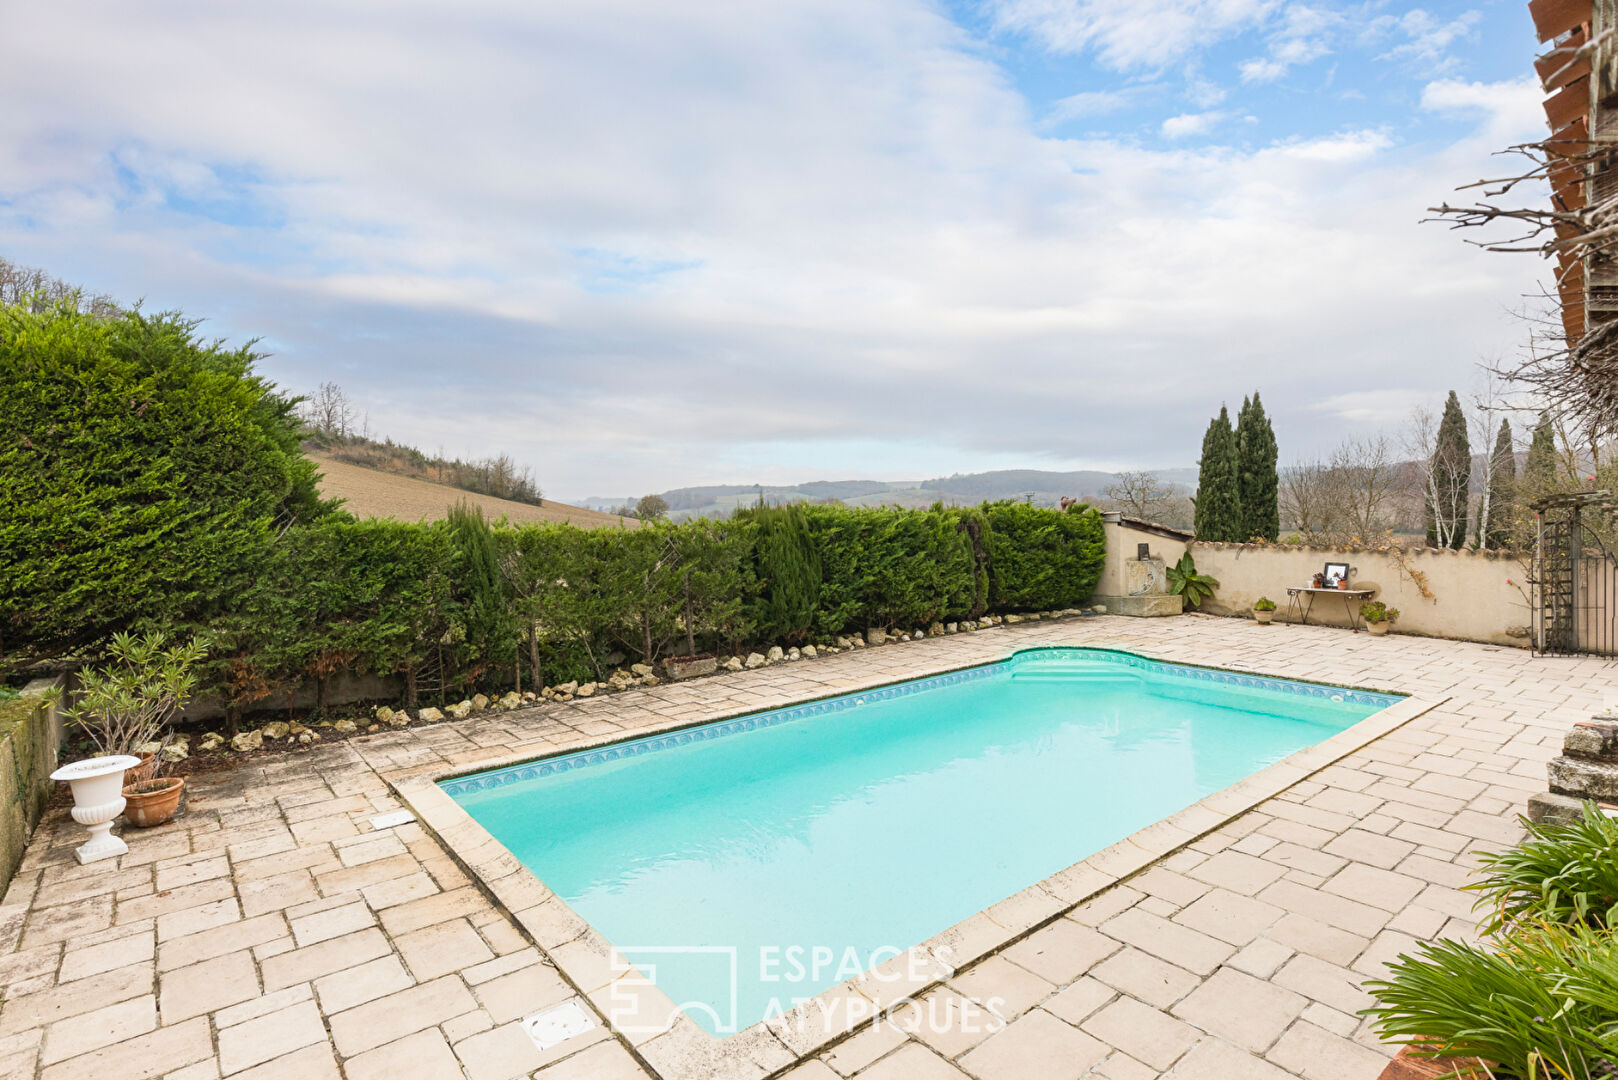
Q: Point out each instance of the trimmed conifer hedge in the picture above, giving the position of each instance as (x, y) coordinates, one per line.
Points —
(383, 597)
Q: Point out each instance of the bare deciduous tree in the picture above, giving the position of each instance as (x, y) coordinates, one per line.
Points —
(1571, 364)
(1347, 497)
(33, 288)
(329, 411)
(1139, 494)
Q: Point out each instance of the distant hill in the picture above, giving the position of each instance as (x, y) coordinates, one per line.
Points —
(373, 493)
(1042, 487)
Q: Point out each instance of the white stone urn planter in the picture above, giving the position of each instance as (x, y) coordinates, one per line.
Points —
(98, 798)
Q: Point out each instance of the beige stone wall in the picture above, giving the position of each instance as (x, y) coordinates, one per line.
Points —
(1118, 577)
(1470, 596)
(30, 736)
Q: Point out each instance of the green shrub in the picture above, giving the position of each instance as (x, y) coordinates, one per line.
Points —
(1041, 559)
(488, 633)
(126, 702)
(1542, 1004)
(1264, 603)
(146, 474)
(1377, 611)
(1185, 581)
(1539, 996)
(1560, 873)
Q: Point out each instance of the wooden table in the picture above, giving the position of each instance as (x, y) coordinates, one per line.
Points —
(1301, 598)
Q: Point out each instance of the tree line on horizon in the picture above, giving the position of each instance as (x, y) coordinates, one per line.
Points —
(1423, 482)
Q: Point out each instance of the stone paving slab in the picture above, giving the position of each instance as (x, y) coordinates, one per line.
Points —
(269, 931)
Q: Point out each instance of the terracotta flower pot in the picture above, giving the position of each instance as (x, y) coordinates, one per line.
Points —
(1263, 617)
(145, 809)
(143, 771)
(1377, 629)
(1408, 1067)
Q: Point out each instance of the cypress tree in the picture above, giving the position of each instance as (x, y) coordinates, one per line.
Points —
(1260, 483)
(1219, 501)
(1539, 470)
(1449, 479)
(1496, 519)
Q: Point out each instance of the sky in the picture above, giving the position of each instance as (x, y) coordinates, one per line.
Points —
(641, 245)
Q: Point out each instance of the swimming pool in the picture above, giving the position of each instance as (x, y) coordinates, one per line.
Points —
(751, 863)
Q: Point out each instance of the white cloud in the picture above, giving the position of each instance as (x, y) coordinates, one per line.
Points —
(1427, 39)
(1303, 34)
(1374, 407)
(828, 227)
(1128, 36)
(1261, 69)
(1513, 110)
(1188, 124)
(1091, 103)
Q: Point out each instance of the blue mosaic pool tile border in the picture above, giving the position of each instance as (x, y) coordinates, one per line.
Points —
(533, 770)
(1319, 691)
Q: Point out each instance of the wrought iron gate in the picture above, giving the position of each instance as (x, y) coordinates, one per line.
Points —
(1575, 582)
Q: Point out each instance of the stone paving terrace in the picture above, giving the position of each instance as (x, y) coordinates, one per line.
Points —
(269, 932)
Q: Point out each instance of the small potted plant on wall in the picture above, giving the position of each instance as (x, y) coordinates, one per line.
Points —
(125, 705)
(1378, 616)
(1263, 610)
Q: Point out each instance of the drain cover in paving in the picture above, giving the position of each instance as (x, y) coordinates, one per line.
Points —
(557, 1024)
(389, 820)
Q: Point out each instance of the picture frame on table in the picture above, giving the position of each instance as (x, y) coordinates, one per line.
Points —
(1335, 574)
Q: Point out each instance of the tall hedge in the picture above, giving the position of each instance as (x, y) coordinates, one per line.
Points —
(144, 474)
(374, 596)
(886, 567)
(1041, 559)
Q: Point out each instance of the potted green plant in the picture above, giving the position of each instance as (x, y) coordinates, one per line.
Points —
(152, 800)
(1263, 610)
(124, 704)
(1378, 616)
(1529, 995)
(1185, 582)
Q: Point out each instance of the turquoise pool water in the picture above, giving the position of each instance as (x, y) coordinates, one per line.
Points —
(755, 862)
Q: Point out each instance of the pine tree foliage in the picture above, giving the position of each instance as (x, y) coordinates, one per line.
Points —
(1219, 507)
(1260, 480)
(1498, 513)
(1449, 479)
